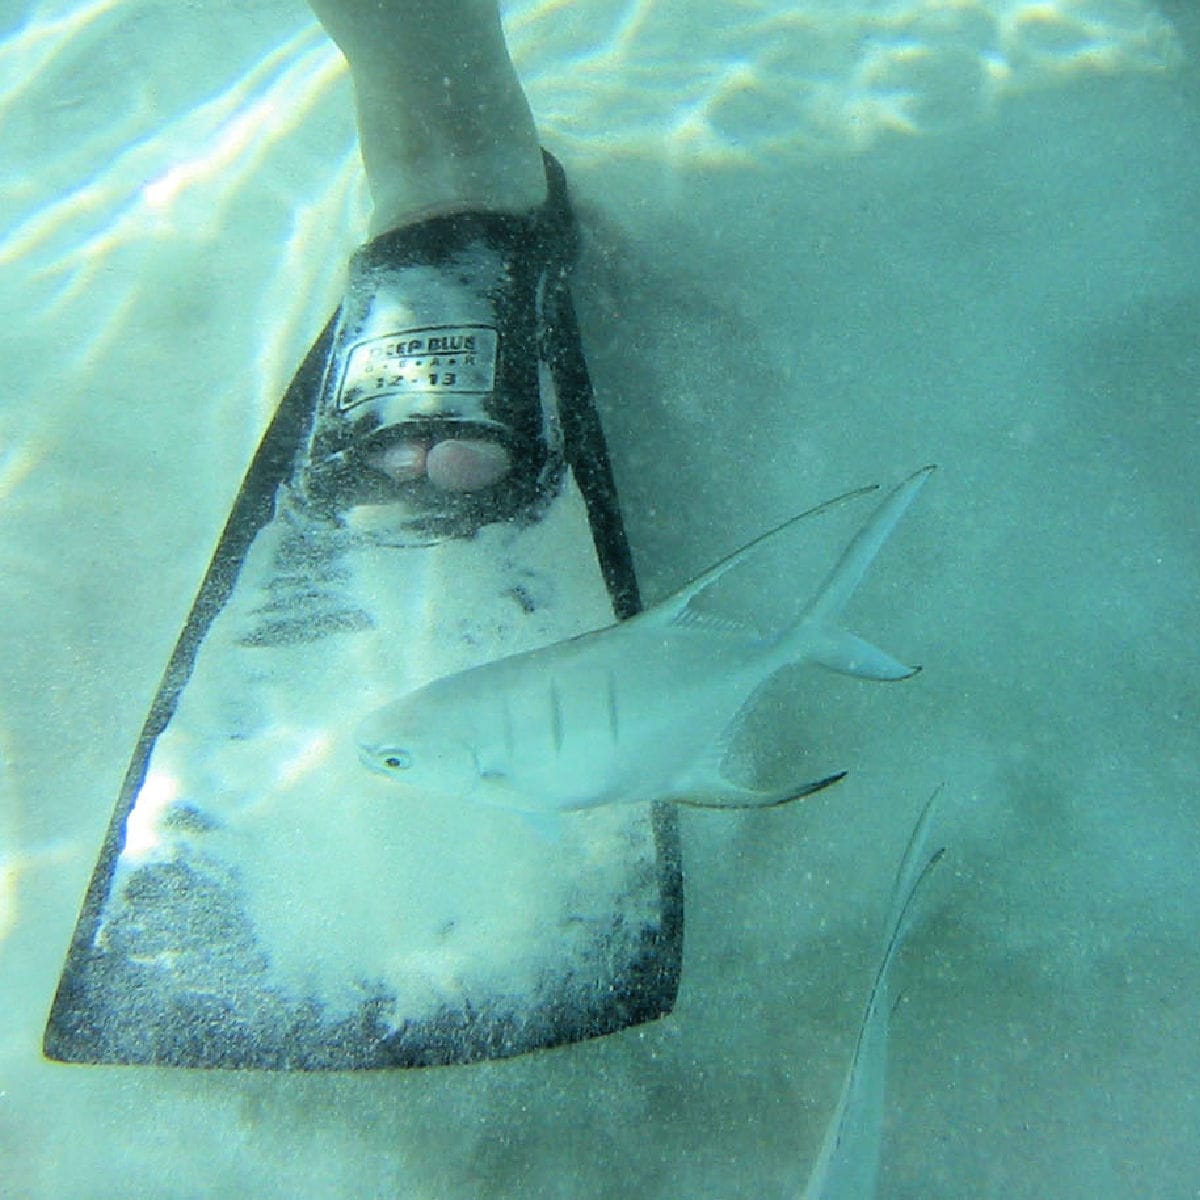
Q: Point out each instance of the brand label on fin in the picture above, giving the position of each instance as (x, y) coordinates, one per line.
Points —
(437, 359)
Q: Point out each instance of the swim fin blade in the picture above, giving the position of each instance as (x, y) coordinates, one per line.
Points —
(263, 901)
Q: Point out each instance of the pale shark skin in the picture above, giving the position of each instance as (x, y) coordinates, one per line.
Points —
(639, 711)
(847, 1166)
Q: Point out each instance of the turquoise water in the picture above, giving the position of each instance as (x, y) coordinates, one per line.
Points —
(828, 242)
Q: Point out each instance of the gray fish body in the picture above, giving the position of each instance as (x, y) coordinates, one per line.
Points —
(629, 713)
(639, 711)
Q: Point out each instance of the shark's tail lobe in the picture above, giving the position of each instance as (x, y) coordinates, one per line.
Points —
(818, 636)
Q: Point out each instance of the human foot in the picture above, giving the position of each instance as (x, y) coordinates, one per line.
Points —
(436, 396)
(451, 465)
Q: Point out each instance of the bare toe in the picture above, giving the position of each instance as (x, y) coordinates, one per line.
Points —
(465, 465)
(400, 462)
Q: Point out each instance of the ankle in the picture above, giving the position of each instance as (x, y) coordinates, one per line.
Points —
(457, 185)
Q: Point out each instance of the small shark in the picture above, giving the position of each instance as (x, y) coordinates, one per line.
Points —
(847, 1166)
(639, 711)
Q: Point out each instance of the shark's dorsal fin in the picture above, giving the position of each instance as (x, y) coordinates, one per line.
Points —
(671, 610)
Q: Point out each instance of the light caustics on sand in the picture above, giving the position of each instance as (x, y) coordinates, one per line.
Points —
(103, 233)
(606, 78)
(16, 864)
(27, 54)
(156, 193)
(181, 180)
(22, 569)
(801, 80)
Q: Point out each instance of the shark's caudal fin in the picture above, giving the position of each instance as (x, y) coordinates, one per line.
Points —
(841, 650)
(817, 636)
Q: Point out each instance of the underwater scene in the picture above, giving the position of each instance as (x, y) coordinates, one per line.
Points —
(860, 863)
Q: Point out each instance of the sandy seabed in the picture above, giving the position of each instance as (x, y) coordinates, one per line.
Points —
(836, 243)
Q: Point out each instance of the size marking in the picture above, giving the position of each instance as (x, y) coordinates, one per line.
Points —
(450, 358)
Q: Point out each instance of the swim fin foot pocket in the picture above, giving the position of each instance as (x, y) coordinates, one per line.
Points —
(448, 332)
(262, 900)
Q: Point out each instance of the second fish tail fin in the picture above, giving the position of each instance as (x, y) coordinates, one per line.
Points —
(819, 636)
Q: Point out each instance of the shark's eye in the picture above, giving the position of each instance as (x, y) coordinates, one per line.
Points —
(398, 760)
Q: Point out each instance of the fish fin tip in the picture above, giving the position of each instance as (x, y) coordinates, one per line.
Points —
(843, 580)
(916, 865)
(848, 654)
(732, 797)
(669, 610)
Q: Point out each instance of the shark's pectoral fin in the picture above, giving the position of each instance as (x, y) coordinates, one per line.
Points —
(723, 794)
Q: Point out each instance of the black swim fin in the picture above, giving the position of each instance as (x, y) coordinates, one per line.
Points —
(261, 900)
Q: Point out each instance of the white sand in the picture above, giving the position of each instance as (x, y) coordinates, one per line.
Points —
(962, 233)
